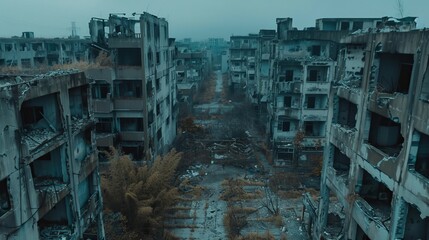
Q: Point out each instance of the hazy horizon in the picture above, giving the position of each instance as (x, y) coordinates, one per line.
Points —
(196, 19)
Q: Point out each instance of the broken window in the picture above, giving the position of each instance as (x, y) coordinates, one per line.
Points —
(128, 88)
(416, 227)
(385, 134)
(317, 74)
(316, 101)
(341, 163)
(377, 195)
(100, 90)
(419, 154)
(129, 57)
(311, 101)
(395, 72)
(312, 76)
(425, 86)
(9, 47)
(314, 128)
(131, 124)
(283, 125)
(357, 25)
(287, 101)
(5, 204)
(315, 50)
(335, 220)
(48, 166)
(56, 224)
(285, 154)
(41, 113)
(346, 113)
(104, 125)
(289, 75)
(78, 99)
(158, 84)
(158, 58)
(159, 134)
(345, 26)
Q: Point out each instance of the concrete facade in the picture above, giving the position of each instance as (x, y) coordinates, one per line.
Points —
(302, 69)
(242, 64)
(135, 98)
(49, 180)
(29, 52)
(375, 176)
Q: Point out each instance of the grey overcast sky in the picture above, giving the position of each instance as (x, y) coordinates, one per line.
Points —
(198, 19)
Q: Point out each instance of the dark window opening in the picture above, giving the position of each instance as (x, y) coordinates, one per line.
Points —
(311, 102)
(385, 135)
(131, 124)
(345, 26)
(378, 196)
(158, 58)
(395, 73)
(59, 217)
(284, 125)
(78, 99)
(5, 204)
(159, 134)
(41, 113)
(415, 226)
(31, 115)
(100, 90)
(341, 162)
(422, 157)
(346, 113)
(285, 155)
(48, 166)
(312, 76)
(129, 57)
(289, 75)
(104, 125)
(287, 101)
(158, 109)
(315, 50)
(314, 128)
(128, 88)
(158, 84)
(357, 25)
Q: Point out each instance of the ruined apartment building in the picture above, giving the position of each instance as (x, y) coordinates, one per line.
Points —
(135, 97)
(242, 52)
(375, 180)
(302, 69)
(29, 52)
(49, 180)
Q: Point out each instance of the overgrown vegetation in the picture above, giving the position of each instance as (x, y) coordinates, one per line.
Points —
(142, 194)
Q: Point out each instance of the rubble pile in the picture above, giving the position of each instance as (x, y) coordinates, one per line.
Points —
(56, 73)
(56, 232)
(49, 185)
(35, 137)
